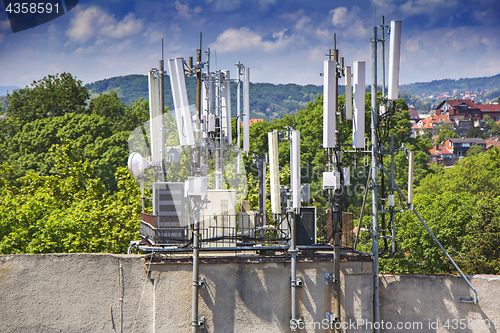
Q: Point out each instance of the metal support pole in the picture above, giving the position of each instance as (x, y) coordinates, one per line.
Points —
(162, 108)
(382, 26)
(196, 225)
(337, 209)
(293, 254)
(218, 133)
(374, 114)
(196, 259)
(238, 108)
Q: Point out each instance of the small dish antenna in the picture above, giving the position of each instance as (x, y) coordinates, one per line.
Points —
(137, 164)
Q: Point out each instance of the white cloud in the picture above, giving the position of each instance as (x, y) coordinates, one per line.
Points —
(412, 45)
(339, 16)
(293, 16)
(303, 24)
(427, 7)
(244, 39)
(349, 21)
(226, 5)
(263, 5)
(93, 22)
(461, 38)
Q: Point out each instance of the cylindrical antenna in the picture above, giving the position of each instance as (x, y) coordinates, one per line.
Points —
(329, 103)
(246, 110)
(358, 124)
(394, 55)
(295, 168)
(348, 93)
(274, 172)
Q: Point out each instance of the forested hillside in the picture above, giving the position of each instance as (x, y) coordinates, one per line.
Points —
(64, 185)
(464, 84)
(268, 101)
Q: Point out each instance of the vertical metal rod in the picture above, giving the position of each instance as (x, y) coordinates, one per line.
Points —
(162, 108)
(374, 114)
(293, 280)
(198, 102)
(363, 207)
(196, 225)
(392, 193)
(238, 103)
(218, 133)
(142, 193)
(121, 297)
(154, 305)
(383, 55)
(195, 285)
(338, 208)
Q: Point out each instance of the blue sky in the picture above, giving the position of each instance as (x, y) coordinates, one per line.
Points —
(281, 41)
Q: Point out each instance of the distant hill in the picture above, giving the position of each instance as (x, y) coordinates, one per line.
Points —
(478, 84)
(267, 101)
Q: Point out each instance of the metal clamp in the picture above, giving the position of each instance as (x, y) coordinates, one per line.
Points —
(297, 283)
(331, 318)
(201, 323)
(471, 300)
(330, 279)
(201, 282)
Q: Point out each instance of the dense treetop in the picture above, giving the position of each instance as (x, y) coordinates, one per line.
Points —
(64, 186)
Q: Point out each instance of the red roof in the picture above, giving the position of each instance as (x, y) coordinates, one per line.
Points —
(489, 108)
(492, 142)
(427, 122)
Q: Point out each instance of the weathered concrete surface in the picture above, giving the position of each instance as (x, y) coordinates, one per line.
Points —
(80, 293)
(255, 297)
(434, 301)
(72, 293)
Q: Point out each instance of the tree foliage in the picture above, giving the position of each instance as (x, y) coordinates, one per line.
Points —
(460, 205)
(52, 96)
(69, 211)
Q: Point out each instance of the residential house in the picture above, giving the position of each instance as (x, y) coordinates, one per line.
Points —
(414, 116)
(464, 110)
(441, 155)
(432, 124)
(459, 147)
(492, 142)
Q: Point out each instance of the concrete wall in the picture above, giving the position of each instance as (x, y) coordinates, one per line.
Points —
(80, 293)
(434, 301)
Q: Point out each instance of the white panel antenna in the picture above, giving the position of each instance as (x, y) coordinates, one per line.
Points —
(274, 172)
(358, 124)
(156, 118)
(207, 105)
(329, 103)
(348, 93)
(295, 168)
(175, 69)
(331, 180)
(226, 107)
(246, 110)
(394, 58)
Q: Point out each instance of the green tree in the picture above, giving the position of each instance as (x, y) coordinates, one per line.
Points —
(69, 211)
(52, 96)
(460, 205)
(474, 132)
(445, 134)
(474, 150)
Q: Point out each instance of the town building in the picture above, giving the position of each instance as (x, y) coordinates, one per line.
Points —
(464, 110)
(459, 147)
